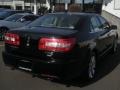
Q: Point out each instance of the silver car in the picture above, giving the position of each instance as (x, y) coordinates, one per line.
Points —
(15, 21)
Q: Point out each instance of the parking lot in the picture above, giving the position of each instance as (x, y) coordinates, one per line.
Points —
(107, 78)
(44, 41)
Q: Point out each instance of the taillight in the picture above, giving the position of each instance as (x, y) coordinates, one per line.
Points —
(57, 45)
(12, 39)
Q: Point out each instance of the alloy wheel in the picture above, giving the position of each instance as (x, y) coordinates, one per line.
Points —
(92, 67)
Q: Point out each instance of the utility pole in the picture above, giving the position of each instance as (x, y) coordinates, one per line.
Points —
(14, 6)
(53, 5)
(35, 7)
(66, 4)
(83, 5)
(23, 7)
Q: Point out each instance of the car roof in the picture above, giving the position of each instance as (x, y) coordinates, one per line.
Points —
(24, 14)
(76, 13)
(11, 10)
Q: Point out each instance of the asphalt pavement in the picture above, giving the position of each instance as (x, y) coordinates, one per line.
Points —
(108, 77)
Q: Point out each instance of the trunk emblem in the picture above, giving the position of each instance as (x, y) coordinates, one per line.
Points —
(28, 41)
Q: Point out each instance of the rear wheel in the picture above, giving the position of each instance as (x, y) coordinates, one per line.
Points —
(91, 68)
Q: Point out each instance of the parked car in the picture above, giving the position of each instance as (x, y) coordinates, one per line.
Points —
(8, 12)
(15, 21)
(61, 45)
(2, 9)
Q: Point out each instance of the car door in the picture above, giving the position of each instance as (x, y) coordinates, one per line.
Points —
(106, 28)
(99, 34)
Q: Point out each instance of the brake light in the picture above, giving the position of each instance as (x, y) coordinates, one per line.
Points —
(57, 45)
(12, 39)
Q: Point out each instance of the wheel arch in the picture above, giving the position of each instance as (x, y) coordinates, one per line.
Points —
(93, 49)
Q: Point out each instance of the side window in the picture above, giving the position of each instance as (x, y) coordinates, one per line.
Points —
(28, 18)
(95, 24)
(105, 24)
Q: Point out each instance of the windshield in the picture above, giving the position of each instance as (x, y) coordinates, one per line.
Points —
(13, 18)
(57, 20)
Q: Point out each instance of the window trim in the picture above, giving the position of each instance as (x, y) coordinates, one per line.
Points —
(94, 31)
(103, 25)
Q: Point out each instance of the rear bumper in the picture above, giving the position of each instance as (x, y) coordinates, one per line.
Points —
(44, 69)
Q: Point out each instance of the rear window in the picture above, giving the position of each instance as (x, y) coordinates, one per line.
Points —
(13, 18)
(58, 21)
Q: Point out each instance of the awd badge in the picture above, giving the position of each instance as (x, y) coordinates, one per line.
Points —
(28, 41)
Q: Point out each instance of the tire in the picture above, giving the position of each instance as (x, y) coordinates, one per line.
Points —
(91, 69)
(3, 31)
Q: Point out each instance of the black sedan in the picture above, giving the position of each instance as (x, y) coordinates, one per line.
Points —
(61, 45)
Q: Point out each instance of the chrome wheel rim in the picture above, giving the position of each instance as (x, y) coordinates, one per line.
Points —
(92, 67)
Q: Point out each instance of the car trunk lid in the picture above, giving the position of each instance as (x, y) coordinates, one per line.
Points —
(29, 40)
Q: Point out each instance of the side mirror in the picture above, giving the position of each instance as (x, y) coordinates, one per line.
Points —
(113, 27)
(22, 20)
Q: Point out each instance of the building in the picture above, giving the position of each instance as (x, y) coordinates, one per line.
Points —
(29, 4)
(6, 3)
(23, 4)
(81, 5)
(111, 11)
(112, 7)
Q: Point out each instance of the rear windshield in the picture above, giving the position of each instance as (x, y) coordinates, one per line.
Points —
(57, 21)
(13, 18)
